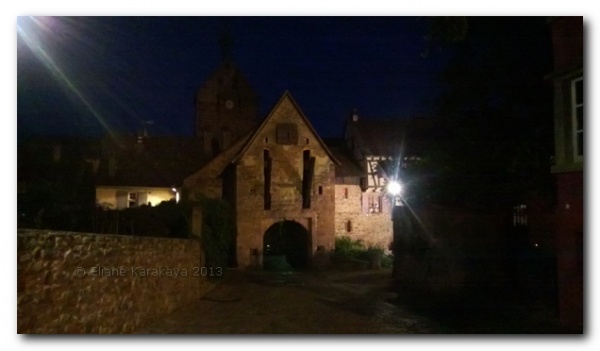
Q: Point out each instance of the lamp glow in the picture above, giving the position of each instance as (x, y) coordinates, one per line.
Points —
(394, 188)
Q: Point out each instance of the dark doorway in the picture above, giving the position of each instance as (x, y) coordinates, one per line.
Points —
(289, 239)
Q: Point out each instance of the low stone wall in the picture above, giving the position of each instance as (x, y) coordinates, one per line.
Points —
(96, 283)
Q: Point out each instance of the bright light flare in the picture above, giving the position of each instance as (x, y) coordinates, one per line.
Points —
(394, 188)
(45, 35)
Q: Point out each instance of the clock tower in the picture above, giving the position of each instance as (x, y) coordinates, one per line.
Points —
(226, 106)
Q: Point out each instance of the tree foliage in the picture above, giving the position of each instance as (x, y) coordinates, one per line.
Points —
(494, 129)
(218, 231)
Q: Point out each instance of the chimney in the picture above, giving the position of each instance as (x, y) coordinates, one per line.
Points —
(354, 115)
(56, 153)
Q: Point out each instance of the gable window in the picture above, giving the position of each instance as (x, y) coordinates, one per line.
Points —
(287, 134)
(577, 116)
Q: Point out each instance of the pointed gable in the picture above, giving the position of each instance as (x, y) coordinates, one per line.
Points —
(285, 118)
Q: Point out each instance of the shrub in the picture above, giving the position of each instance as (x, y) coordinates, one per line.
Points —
(218, 231)
(346, 247)
(387, 261)
(353, 253)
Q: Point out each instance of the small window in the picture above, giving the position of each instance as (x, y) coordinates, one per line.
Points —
(133, 199)
(320, 190)
(306, 141)
(266, 140)
(349, 226)
(374, 203)
(345, 193)
(287, 134)
(520, 215)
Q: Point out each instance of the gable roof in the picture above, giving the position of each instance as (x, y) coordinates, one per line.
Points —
(236, 151)
(286, 96)
(215, 167)
(348, 166)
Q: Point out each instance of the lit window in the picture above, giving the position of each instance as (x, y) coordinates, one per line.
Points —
(577, 115)
(132, 199)
(520, 215)
(374, 204)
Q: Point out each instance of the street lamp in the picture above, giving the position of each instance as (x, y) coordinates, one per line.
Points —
(394, 188)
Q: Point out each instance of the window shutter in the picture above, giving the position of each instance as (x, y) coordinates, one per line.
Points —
(385, 202)
(287, 134)
(365, 202)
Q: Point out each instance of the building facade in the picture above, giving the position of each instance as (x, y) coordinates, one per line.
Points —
(568, 82)
(280, 180)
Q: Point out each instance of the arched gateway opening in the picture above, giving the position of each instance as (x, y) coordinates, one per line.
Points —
(289, 239)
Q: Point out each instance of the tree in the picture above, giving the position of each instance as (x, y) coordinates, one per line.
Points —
(495, 133)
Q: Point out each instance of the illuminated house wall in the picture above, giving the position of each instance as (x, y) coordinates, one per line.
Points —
(120, 197)
(364, 216)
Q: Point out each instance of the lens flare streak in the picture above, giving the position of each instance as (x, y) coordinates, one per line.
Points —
(34, 44)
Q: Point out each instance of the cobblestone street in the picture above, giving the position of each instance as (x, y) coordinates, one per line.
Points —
(296, 303)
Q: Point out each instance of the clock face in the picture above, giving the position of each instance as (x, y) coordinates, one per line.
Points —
(229, 104)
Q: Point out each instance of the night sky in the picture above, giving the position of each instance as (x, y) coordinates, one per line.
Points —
(85, 75)
(91, 75)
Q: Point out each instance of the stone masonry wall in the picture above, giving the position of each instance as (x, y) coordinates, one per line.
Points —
(94, 283)
(286, 186)
(374, 229)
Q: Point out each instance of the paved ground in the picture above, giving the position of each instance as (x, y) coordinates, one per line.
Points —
(296, 303)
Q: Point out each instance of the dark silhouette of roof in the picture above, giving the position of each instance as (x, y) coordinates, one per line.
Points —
(391, 137)
(348, 166)
(150, 161)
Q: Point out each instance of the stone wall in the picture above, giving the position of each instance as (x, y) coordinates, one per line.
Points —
(95, 283)
(373, 229)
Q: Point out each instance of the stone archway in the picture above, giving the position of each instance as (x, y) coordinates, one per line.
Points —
(289, 239)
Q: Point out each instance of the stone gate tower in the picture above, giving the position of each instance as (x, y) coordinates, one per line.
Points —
(226, 106)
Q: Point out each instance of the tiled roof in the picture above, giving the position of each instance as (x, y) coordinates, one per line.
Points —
(348, 166)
